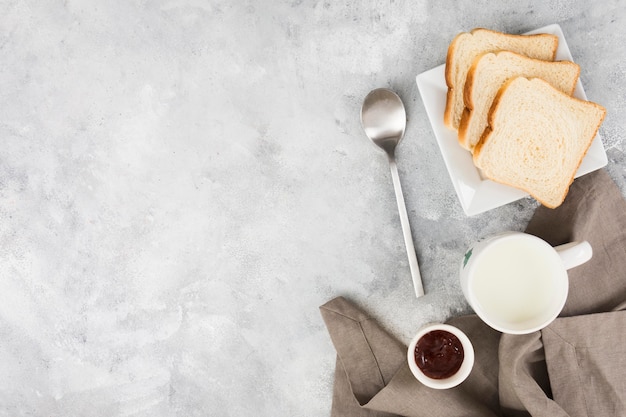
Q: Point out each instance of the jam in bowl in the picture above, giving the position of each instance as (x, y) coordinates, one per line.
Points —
(440, 356)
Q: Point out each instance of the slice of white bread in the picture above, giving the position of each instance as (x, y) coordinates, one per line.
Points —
(490, 71)
(536, 139)
(465, 47)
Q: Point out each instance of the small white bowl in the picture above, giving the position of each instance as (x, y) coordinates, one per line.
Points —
(460, 375)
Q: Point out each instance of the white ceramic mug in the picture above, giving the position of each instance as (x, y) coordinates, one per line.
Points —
(517, 283)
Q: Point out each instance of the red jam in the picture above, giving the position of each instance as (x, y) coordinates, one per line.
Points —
(439, 354)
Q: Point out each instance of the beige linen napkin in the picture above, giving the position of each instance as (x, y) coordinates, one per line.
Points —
(574, 367)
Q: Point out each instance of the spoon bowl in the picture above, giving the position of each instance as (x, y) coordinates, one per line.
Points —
(384, 120)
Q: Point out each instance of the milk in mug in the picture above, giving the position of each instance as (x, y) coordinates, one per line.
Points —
(517, 283)
(514, 280)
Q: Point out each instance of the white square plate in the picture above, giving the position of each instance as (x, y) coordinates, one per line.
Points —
(476, 194)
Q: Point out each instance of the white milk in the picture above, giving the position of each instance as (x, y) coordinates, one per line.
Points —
(514, 280)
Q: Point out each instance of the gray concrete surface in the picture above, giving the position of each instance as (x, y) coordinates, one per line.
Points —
(184, 182)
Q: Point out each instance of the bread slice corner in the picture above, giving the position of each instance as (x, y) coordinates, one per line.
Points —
(537, 138)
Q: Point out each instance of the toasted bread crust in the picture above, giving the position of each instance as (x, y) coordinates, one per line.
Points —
(463, 126)
(469, 104)
(447, 114)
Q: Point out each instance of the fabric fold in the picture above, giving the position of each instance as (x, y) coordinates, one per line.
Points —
(368, 354)
(524, 387)
(586, 361)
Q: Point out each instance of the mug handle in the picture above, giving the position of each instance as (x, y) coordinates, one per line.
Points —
(574, 254)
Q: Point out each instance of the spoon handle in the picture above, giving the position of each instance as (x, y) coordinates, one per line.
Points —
(406, 228)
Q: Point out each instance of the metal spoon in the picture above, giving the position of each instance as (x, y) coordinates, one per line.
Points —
(384, 120)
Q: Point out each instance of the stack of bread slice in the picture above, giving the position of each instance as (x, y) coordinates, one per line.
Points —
(512, 107)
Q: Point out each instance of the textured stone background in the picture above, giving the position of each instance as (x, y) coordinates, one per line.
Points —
(184, 182)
